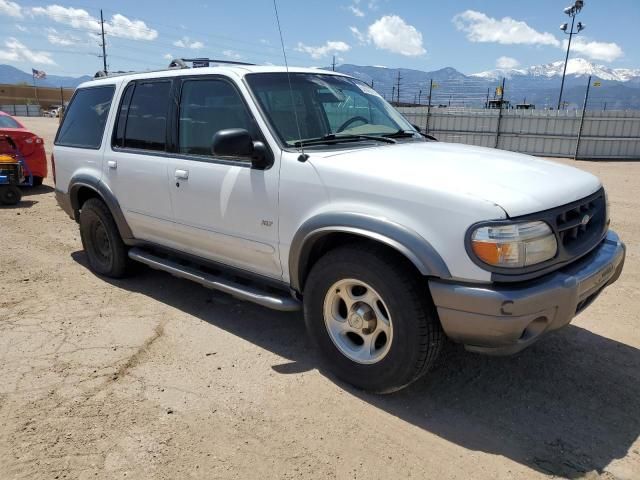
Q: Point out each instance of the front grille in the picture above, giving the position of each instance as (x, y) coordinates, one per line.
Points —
(575, 235)
(580, 226)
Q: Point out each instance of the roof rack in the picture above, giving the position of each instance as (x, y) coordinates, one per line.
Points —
(176, 63)
(202, 62)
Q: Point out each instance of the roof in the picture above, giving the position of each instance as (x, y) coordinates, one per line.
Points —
(238, 71)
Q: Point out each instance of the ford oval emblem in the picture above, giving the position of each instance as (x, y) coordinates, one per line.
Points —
(585, 220)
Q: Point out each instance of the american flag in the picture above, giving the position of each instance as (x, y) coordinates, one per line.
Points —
(39, 74)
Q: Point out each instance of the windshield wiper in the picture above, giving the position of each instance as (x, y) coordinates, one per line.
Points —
(402, 134)
(332, 138)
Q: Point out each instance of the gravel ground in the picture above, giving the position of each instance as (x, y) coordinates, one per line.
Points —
(156, 377)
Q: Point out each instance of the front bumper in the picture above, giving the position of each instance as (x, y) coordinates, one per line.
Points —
(502, 319)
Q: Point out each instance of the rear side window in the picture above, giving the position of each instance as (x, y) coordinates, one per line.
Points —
(84, 121)
(8, 122)
(144, 113)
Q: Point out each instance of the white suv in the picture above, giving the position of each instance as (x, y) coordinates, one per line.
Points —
(306, 189)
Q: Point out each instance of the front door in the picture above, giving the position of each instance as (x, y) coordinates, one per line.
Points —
(223, 209)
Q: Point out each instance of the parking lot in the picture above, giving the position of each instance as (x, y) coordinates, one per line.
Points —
(156, 377)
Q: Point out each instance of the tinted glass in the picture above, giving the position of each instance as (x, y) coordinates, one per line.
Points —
(8, 122)
(147, 117)
(323, 105)
(84, 121)
(121, 121)
(207, 106)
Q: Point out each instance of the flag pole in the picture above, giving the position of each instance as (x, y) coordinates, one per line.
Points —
(35, 86)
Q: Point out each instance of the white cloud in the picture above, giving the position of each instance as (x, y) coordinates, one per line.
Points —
(355, 10)
(11, 9)
(231, 54)
(507, 31)
(16, 51)
(168, 56)
(507, 63)
(22, 28)
(121, 26)
(361, 37)
(330, 47)
(186, 42)
(394, 34)
(604, 51)
(63, 39)
(118, 26)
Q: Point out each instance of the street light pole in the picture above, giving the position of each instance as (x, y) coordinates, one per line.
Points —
(572, 11)
(566, 60)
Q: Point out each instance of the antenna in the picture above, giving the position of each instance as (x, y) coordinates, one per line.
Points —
(302, 156)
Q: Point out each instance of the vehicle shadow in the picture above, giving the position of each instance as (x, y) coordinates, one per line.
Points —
(21, 204)
(566, 406)
(39, 190)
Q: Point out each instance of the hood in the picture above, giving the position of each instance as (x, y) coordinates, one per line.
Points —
(519, 184)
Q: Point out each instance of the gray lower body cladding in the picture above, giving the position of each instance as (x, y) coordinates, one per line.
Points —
(504, 319)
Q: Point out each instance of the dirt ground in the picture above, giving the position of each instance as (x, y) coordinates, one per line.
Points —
(156, 377)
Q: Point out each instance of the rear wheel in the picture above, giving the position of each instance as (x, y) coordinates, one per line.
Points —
(106, 252)
(10, 194)
(372, 318)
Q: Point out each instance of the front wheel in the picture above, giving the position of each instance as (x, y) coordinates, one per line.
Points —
(372, 318)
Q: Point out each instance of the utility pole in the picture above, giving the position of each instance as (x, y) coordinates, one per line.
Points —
(333, 64)
(393, 93)
(104, 45)
(486, 104)
(426, 128)
(584, 109)
(419, 95)
(398, 89)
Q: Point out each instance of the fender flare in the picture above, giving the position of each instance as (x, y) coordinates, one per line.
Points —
(406, 241)
(107, 196)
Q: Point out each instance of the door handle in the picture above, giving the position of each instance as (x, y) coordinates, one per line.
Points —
(112, 164)
(182, 174)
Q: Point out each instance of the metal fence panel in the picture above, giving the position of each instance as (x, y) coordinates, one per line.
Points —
(605, 134)
(22, 110)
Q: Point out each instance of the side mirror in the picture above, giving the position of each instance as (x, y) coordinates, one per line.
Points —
(237, 142)
(416, 127)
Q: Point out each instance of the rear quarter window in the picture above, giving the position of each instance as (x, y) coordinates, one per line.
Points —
(85, 119)
(8, 122)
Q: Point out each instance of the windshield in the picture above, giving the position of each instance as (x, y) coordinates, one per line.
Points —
(325, 106)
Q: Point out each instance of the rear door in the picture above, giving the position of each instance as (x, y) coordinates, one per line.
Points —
(223, 209)
(135, 164)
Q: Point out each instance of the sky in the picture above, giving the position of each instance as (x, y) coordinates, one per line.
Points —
(61, 37)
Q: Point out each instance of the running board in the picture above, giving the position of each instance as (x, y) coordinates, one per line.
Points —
(243, 292)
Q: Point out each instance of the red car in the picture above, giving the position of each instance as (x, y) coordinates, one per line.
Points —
(30, 145)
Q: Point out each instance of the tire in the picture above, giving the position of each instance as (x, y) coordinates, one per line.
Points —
(37, 181)
(410, 330)
(10, 194)
(106, 252)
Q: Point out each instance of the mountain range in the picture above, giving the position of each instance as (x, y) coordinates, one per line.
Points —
(12, 75)
(539, 84)
(614, 88)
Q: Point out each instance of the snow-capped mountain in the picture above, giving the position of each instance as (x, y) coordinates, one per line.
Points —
(576, 67)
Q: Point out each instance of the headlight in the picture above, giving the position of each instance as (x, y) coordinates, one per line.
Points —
(514, 245)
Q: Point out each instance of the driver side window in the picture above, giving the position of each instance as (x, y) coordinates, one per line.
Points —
(207, 106)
